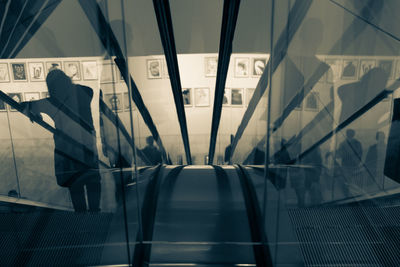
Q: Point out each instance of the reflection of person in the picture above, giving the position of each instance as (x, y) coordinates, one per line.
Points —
(350, 153)
(154, 69)
(312, 173)
(151, 152)
(228, 151)
(375, 158)
(75, 153)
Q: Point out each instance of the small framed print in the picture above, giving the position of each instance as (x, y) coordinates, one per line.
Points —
(44, 95)
(114, 101)
(241, 67)
(366, 65)
(387, 66)
(19, 72)
(73, 70)
(36, 71)
(52, 65)
(187, 97)
(237, 97)
(226, 101)
(350, 67)
(210, 66)
(107, 72)
(32, 96)
(3, 106)
(258, 66)
(311, 101)
(4, 73)
(202, 97)
(249, 95)
(89, 70)
(335, 71)
(17, 97)
(154, 68)
(165, 69)
(126, 102)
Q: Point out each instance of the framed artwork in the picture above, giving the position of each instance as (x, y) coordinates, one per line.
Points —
(17, 97)
(202, 97)
(154, 68)
(73, 70)
(259, 66)
(165, 69)
(334, 73)
(36, 71)
(126, 102)
(114, 101)
(32, 96)
(366, 65)
(51, 65)
(210, 66)
(4, 73)
(3, 106)
(107, 72)
(350, 67)
(226, 101)
(387, 66)
(241, 67)
(249, 95)
(237, 97)
(44, 95)
(19, 72)
(311, 101)
(89, 69)
(187, 97)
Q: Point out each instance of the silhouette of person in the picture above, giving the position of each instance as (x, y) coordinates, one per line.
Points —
(311, 178)
(392, 159)
(374, 161)
(75, 152)
(151, 152)
(228, 151)
(350, 153)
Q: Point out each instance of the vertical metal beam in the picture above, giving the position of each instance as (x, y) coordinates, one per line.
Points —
(163, 14)
(229, 18)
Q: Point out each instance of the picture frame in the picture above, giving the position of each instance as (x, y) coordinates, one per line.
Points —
(50, 65)
(210, 66)
(241, 67)
(236, 97)
(249, 94)
(335, 71)
(90, 70)
(17, 97)
(366, 65)
(226, 101)
(3, 106)
(258, 66)
(73, 70)
(126, 99)
(19, 72)
(114, 101)
(44, 95)
(4, 73)
(388, 66)
(36, 71)
(32, 96)
(154, 68)
(107, 72)
(350, 69)
(311, 102)
(187, 97)
(202, 97)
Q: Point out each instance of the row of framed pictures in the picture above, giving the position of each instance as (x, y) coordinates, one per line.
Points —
(355, 68)
(19, 97)
(37, 71)
(200, 97)
(310, 102)
(244, 67)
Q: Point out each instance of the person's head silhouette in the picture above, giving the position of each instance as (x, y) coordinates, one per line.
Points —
(59, 84)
